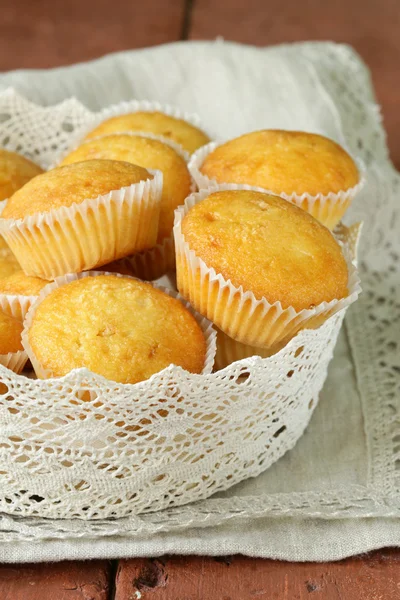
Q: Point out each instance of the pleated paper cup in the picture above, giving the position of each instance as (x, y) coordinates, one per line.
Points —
(205, 325)
(132, 106)
(15, 361)
(89, 234)
(156, 262)
(230, 351)
(16, 305)
(326, 208)
(237, 312)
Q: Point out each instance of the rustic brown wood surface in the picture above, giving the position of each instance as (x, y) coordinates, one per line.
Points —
(48, 33)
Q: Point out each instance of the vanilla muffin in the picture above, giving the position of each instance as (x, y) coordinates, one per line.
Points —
(118, 327)
(150, 154)
(271, 259)
(10, 334)
(81, 216)
(12, 354)
(291, 163)
(8, 262)
(178, 130)
(18, 292)
(15, 171)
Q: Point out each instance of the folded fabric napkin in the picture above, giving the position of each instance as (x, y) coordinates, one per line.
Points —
(338, 491)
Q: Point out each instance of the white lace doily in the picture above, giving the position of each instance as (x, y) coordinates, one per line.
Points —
(345, 110)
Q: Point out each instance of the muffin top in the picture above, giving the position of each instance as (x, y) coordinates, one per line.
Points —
(10, 334)
(268, 246)
(120, 328)
(15, 171)
(182, 132)
(8, 262)
(19, 284)
(72, 184)
(148, 153)
(283, 162)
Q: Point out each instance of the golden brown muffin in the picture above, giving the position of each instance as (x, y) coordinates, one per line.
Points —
(148, 153)
(291, 163)
(268, 246)
(120, 328)
(72, 184)
(19, 284)
(8, 262)
(10, 334)
(283, 161)
(15, 171)
(94, 214)
(178, 130)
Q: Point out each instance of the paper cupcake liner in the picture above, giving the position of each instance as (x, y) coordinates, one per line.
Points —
(205, 325)
(236, 312)
(132, 106)
(16, 305)
(156, 262)
(89, 234)
(328, 209)
(15, 361)
(230, 351)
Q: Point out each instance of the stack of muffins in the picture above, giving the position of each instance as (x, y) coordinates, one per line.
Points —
(252, 249)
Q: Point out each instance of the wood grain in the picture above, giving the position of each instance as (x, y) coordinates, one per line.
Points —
(371, 27)
(56, 581)
(371, 577)
(47, 33)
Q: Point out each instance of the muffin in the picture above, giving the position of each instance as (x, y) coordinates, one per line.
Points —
(81, 216)
(18, 292)
(15, 171)
(12, 354)
(152, 154)
(257, 266)
(310, 170)
(121, 328)
(8, 262)
(180, 131)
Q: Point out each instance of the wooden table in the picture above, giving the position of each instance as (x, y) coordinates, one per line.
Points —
(45, 33)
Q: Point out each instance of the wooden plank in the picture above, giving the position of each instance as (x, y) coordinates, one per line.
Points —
(45, 33)
(371, 27)
(56, 581)
(370, 577)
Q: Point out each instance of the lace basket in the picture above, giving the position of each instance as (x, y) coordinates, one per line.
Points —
(175, 438)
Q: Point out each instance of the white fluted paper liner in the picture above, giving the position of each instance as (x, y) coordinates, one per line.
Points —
(154, 263)
(87, 234)
(237, 312)
(205, 325)
(327, 208)
(230, 351)
(15, 361)
(132, 106)
(16, 305)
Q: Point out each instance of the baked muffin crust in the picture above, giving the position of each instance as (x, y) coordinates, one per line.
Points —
(10, 334)
(22, 285)
(283, 162)
(182, 132)
(15, 171)
(268, 246)
(120, 328)
(72, 184)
